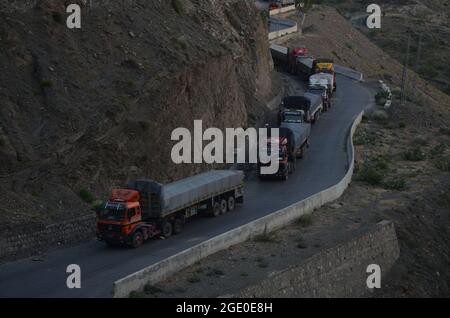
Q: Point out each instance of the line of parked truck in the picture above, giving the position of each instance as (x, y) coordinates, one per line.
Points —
(145, 208)
(298, 113)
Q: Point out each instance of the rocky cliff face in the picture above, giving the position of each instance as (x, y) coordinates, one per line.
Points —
(91, 108)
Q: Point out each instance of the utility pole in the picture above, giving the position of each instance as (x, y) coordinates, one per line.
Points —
(419, 52)
(405, 70)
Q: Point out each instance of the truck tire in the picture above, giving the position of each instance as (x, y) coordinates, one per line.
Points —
(216, 209)
(137, 240)
(166, 229)
(178, 225)
(231, 203)
(316, 117)
(223, 206)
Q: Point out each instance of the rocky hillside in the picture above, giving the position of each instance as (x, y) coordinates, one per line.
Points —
(426, 21)
(85, 110)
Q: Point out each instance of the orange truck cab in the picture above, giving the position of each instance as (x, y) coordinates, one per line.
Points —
(120, 218)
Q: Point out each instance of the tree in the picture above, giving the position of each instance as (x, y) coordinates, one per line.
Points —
(303, 6)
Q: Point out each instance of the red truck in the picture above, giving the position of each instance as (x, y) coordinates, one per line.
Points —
(288, 57)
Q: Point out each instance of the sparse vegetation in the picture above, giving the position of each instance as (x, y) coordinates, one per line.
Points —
(381, 98)
(373, 172)
(86, 196)
(178, 6)
(152, 290)
(444, 131)
(180, 43)
(397, 184)
(379, 116)
(57, 17)
(305, 220)
(46, 84)
(194, 279)
(443, 164)
(414, 154)
(266, 237)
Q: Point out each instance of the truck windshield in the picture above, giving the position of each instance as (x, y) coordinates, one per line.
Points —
(110, 213)
(292, 118)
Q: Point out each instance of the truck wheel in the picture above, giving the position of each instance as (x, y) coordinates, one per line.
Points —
(167, 229)
(216, 209)
(178, 226)
(231, 203)
(316, 117)
(137, 239)
(223, 206)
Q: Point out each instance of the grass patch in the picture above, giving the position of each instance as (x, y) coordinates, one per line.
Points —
(414, 154)
(263, 265)
(266, 237)
(373, 172)
(364, 138)
(379, 116)
(46, 84)
(194, 279)
(86, 196)
(301, 243)
(152, 290)
(180, 43)
(134, 294)
(304, 221)
(177, 5)
(438, 150)
(395, 184)
(57, 17)
(444, 131)
(443, 164)
(215, 272)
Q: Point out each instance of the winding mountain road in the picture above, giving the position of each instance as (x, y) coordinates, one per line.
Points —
(325, 164)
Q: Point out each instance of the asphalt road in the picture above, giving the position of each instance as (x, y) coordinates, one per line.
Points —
(325, 164)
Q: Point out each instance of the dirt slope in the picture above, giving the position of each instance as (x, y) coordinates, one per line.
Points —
(91, 108)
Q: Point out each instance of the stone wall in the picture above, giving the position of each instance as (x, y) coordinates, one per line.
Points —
(69, 232)
(336, 272)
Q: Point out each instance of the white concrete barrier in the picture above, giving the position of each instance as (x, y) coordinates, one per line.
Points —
(282, 32)
(348, 72)
(282, 10)
(169, 266)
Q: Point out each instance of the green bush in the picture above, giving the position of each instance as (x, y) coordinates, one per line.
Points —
(381, 98)
(370, 174)
(305, 221)
(443, 164)
(57, 17)
(380, 116)
(86, 196)
(438, 150)
(362, 139)
(178, 6)
(395, 184)
(180, 43)
(444, 131)
(150, 289)
(46, 84)
(414, 154)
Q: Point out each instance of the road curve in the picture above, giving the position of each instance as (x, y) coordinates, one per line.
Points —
(325, 164)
